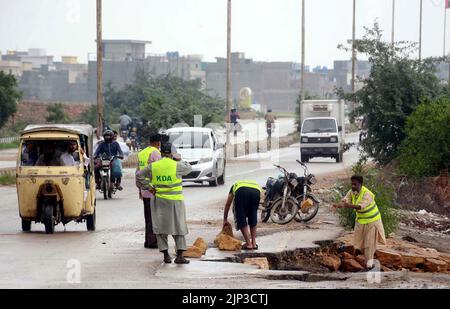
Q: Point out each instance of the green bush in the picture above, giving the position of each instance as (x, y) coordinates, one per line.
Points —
(384, 197)
(11, 145)
(426, 149)
(7, 179)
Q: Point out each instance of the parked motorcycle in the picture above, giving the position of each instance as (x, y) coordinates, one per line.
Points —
(283, 208)
(307, 201)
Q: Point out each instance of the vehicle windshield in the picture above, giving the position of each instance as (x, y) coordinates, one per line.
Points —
(50, 153)
(190, 140)
(319, 126)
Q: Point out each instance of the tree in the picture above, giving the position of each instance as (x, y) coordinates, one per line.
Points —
(395, 87)
(426, 149)
(56, 114)
(165, 100)
(9, 95)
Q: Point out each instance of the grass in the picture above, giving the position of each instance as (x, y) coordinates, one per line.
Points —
(12, 145)
(7, 179)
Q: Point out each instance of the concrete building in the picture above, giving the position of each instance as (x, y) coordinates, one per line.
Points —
(124, 57)
(342, 73)
(275, 85)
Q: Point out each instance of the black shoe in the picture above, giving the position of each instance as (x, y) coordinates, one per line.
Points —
(167, 257)
(119, 187)
(181, 260)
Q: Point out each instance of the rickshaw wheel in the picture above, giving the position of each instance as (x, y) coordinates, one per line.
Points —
(49, 220)
(90, 221)
(26, 225)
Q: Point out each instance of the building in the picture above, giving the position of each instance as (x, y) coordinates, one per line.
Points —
(122, 58)
(274, 85)
(342, 73)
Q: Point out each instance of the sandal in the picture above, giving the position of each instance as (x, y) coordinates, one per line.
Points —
(246, 247)
(256, 248)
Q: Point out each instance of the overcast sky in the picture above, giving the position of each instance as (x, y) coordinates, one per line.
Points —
(266, 30)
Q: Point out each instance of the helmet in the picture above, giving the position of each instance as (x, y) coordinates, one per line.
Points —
(108, 132)
(269, 110)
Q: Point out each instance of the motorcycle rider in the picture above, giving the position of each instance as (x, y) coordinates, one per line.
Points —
(270, 121)
(234, 116)
(112, 149)
(125, 122)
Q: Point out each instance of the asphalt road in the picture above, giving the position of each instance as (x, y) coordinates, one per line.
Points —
(113, 256)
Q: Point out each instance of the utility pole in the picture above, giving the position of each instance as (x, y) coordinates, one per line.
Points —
(228, 69)
(393, 22)
(100, 116)
(354, 51)
(302, 76)
(445, 30)
(420, 31)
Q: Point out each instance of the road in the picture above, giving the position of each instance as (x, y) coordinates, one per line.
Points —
(114, 256)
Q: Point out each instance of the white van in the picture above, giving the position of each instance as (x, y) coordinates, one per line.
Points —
(201, 148)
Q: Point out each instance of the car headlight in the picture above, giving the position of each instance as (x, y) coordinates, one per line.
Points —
(304, 140)
(205, 160)
(333, 139)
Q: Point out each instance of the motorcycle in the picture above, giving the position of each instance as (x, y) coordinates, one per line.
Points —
(133, 142)
(108, 184)
(270, 127)
(307, 201)
(280, 205)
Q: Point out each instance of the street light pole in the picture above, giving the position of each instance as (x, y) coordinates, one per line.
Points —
(99, 70)
(302, 76)
(420, 31)
(354, 51)
(393, 22)
(228, 117)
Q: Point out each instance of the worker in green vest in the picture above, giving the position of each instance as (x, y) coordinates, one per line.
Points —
(246, 195)
(369, 230)
(168, 210)
(147, 156)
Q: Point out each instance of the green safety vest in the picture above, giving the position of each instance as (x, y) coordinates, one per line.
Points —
(247, 184)
(165, 181)
(370, 213)
(144, 156)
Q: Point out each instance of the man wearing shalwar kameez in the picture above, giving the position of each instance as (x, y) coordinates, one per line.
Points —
(168, 210)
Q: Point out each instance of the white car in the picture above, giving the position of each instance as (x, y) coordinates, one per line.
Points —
(202, 149)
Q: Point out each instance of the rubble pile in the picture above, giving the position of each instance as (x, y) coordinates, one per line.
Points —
(395, 256)
(428, 221)
(225, 240)
(197, 249)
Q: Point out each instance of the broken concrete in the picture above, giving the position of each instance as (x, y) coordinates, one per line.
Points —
(435, 266)
(332, 262)
(261, 262)
(227, 243)
(351, 265)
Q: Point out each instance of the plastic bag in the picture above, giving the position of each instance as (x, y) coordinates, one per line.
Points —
(116, 168)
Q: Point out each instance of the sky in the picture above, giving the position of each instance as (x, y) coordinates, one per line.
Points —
(265, 30)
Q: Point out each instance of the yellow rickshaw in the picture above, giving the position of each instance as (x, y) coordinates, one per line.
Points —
(55, 176)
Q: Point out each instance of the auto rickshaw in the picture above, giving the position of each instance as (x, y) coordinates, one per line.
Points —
(55, 176)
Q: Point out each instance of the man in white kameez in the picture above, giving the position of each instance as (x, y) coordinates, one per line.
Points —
(168, 211)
